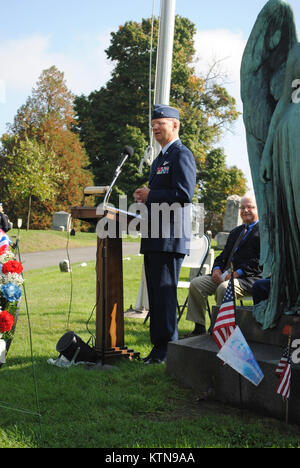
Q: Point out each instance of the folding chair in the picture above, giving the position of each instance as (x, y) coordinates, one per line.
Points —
(248, 297)
(199, 250)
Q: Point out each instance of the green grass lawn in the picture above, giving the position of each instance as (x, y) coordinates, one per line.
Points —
(37, 241)
(128, 406)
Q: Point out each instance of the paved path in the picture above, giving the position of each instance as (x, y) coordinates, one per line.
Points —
(36, 260)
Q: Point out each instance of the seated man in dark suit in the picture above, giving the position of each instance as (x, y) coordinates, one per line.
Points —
(242, 250)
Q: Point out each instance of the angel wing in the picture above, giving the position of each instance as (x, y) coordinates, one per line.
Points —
(262, 78)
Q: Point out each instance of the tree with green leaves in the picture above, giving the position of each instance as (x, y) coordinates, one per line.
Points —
(30, 171)
(42, 134)
(117, 114)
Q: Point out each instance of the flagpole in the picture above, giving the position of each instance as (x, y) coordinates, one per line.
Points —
(164, 56)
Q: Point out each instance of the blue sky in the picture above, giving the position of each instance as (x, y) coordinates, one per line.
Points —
(73, 34)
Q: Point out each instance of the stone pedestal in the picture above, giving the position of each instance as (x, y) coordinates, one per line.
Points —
(194, 363)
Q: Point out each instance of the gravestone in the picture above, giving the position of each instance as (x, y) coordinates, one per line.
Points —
(232, 219)
(61, 221)
(64, 266)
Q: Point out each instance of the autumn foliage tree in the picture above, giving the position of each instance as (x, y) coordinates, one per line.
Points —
(45, 122)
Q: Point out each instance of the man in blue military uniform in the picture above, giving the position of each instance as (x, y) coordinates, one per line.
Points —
(171, 184)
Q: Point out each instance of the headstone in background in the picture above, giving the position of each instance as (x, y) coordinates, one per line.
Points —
(61, 221)
(232, 219)
(64, 266)
(197, 219)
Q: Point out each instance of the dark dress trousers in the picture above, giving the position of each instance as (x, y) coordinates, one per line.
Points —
(172, 181)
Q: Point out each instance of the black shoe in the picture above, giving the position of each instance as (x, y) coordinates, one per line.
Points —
(147, 358)
(198, 330)
(157, 352)
(154, 360)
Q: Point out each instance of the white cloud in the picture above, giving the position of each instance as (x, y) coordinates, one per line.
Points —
(90, 69)
(226, 47)
(23, 61)
(2, 91)
(83, 62)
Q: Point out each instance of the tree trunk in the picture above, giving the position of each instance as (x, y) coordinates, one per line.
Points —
(29, 209)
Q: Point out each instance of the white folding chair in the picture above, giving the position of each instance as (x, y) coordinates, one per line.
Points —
(199, 250)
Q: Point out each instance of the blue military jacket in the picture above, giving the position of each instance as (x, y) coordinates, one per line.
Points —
(172, 184)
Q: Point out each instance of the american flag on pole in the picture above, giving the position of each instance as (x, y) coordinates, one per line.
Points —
(225, 321)
(283, 371)
(4, 242)
(282, 363)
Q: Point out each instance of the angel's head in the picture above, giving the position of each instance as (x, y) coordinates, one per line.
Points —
(278, 29)
(273, 34)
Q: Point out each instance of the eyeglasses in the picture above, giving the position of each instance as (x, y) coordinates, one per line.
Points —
(250, 207)
(160, 124)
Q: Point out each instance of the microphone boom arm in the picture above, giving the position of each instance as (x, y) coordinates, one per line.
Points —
(117, 173)
(128, 151)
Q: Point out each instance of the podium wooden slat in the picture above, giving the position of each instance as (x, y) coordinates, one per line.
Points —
(114, 325)
(110, 340)
(86, 213)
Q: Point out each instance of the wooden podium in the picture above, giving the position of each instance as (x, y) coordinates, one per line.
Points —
(109, 279)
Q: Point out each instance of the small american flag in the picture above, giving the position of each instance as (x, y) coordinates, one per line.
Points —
(282, 363)
(225, 322)
(4, 242)
(283, 371)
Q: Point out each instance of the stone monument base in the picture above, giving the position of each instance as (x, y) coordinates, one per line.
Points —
(193, 363)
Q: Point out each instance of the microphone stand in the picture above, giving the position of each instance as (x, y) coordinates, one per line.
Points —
(104, 254)
(117, 173)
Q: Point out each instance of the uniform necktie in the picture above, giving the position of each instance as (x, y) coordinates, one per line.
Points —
(236, 245)
(160, 158)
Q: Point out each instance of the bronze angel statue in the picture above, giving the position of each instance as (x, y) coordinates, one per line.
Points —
(270, 74)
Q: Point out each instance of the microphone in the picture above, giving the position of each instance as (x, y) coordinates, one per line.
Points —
(128, 150)
(126, 153)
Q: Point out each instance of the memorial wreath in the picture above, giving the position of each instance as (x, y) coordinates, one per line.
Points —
(11, 281)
